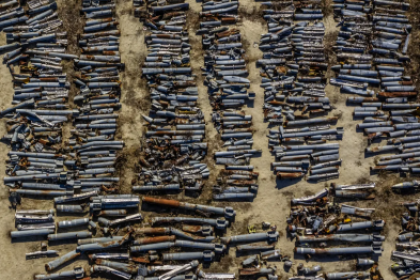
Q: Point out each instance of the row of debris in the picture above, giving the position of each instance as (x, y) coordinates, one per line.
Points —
(225, 75)
(144, 250)
(372, 50)
(174, 147)
(41, 162)
(325, 228)
(293, 70)
(406, 258)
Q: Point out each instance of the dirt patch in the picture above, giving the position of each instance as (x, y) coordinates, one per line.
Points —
(193, 20)
(387, 204)
(327, 7)
(329, 43)
(254, 13)
(338, 114)
(127, 165)
(363, 180)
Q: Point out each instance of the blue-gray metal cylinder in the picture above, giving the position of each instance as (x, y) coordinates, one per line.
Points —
(173, 7)
(69, 235)
(154, 246)
(43, 192)
(262, 236)
(218, 248)
(73, 223)
(234, 196)
(76, 273)
(218, 223)
(169, 187)
(76, 209)
(348, 275)
(338, 251)
(113, 256)
(31, 233)
(377, 225)
(99, 240)
(365, 262)
(228, 212)
(62, 260)
(356, 238)
(206, 256)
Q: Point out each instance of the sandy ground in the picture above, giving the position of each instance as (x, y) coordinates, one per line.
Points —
(273, 201)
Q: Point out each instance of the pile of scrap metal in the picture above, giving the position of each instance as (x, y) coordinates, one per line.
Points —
(358, 191)
(305, 273)
(173, 148)
(125, 246)
(39, 107)
(225, 71)
(317, 225)
(253, 265)
(40, 164)
(406, 257)
(98, 82)
(382, 67)
(293, 77)
(313, 273)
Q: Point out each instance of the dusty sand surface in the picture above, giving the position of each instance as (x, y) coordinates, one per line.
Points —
(273, 200)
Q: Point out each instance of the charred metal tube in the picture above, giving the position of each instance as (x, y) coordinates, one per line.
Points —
(41, 253)
(156, 239)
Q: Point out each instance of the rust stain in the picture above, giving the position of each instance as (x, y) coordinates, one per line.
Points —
(168, 202)
(144, 260)
(152, 231)
(285, 175)
(398, 94)
(157, 239)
